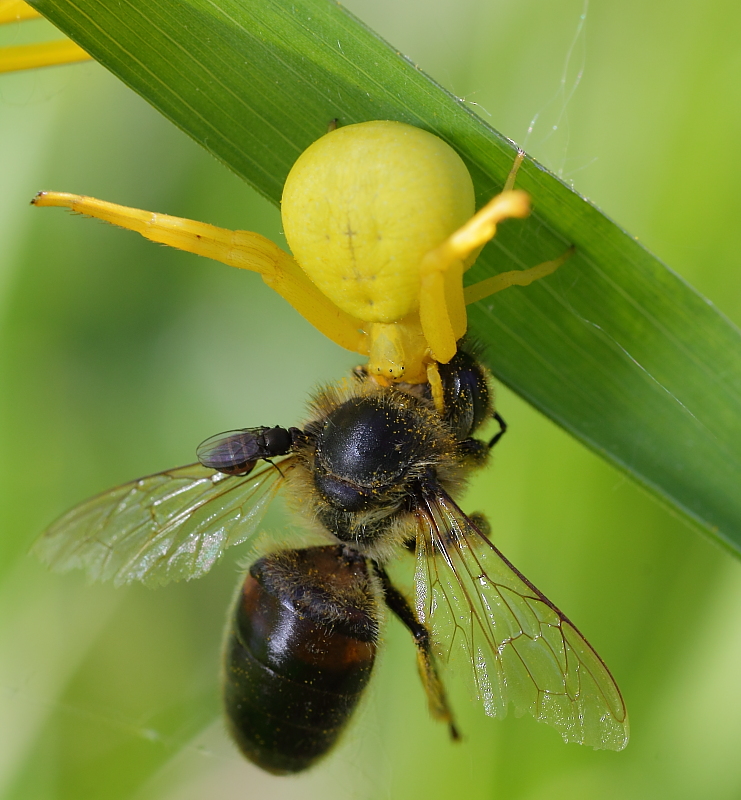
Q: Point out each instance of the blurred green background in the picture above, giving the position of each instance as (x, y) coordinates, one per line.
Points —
(117, 357)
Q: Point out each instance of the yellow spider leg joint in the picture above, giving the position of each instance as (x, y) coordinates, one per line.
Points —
(517, 277)
(31, 56)
(442, 306)
(478, 291)
(242, 249)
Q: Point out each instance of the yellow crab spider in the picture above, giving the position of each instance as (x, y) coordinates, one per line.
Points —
(380, 219)
(31, 56)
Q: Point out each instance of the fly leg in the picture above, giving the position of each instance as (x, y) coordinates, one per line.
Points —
(242, 249)
(434, 689)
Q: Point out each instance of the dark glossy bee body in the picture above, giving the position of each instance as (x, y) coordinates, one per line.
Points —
(304, 631)
(299, 652)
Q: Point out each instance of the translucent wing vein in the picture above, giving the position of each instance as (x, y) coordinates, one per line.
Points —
(522, 650)
(166, 527)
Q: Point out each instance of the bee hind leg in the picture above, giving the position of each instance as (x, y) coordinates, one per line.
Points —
(436, 697)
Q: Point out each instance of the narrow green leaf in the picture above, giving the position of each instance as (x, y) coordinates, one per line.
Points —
(614, 347)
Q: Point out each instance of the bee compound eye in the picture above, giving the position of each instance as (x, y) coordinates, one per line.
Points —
(466, 393)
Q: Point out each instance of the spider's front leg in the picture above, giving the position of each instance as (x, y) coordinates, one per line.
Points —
(243, 249)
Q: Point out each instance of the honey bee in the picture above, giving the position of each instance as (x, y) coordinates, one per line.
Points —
(379, 217)
(374, 469)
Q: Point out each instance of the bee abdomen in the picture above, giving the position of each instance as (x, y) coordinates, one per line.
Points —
(299, 653)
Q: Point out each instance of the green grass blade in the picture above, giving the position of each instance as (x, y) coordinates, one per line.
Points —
(614, 346)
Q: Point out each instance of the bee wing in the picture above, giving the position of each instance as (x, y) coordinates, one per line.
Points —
(165, 527)
(521, 648)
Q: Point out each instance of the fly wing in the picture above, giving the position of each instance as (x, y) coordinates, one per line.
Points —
(521, 648)
(166, 527)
